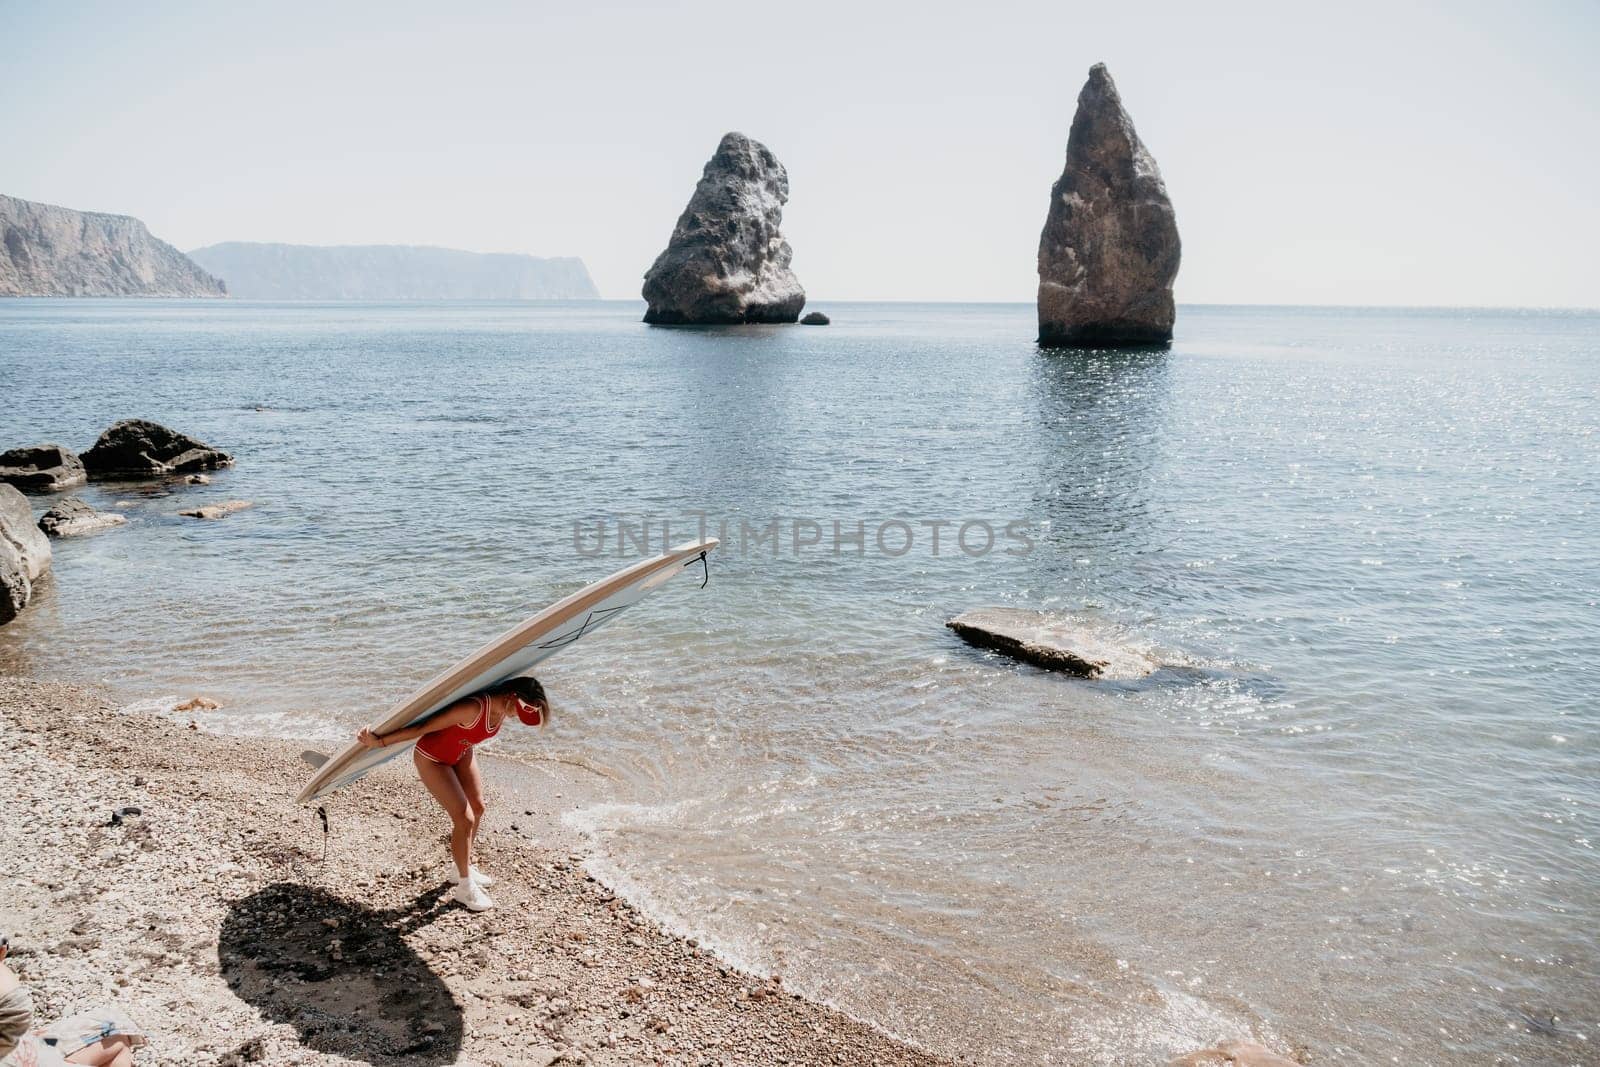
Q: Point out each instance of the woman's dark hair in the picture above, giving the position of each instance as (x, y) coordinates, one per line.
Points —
(529, 689)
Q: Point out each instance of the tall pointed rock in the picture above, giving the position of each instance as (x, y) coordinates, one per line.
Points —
(727, 261)
(1109, 251)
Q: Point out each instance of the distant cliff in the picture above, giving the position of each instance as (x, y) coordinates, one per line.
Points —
(391, 272)
(54, 251)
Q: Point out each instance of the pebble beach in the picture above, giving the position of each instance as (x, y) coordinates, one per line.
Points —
(224, 921)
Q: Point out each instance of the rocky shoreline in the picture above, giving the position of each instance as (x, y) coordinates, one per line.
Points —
(133, 450)
(211, 914)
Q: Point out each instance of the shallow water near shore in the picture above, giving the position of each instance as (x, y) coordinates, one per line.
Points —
(1356, 814)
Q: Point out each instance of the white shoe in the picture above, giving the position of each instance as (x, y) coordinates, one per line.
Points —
(473, 873)
(471, 896)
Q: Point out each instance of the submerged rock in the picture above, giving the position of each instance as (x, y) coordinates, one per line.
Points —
(816, 318)
(1234, 1054)
(42, 468)
(1055, 643)
(216, 511)
(138, 448)
(1109, 251)
(24, 553)
(727, 261)
(74, 518)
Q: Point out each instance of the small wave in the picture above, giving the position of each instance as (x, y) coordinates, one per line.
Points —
(676, 917)
(534, 759)
(162, 705)
(598, 823)
(612, 816)
(226, 722)
(1179, 1024)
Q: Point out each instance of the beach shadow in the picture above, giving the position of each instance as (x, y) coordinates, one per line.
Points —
(371, 999)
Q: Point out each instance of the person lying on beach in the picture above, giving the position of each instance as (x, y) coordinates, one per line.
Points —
(446, 762)
(102, 1037)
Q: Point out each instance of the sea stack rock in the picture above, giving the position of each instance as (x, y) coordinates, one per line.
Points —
(1109, 251)
(24, 553)
(138, 448)
(727, 262)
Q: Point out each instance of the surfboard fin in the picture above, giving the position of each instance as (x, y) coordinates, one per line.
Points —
(316, 759)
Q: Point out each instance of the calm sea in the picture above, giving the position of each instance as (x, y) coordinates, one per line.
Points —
(1357, 814)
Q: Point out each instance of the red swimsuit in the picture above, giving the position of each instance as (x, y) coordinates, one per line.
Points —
(451, 745)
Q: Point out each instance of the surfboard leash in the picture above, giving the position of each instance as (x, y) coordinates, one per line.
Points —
(701, 558)
(322, 813)
(296, 867)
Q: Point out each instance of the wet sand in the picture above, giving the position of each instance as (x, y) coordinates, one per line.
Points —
(225, 922)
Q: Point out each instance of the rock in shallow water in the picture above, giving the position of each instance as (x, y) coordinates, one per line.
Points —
(138, 448)
(24, 553)
(1075, 647)
(73, 518)
(816, 318)
(42, 468)
(216, 511)
(1234, 1054)
(727, 261)
(1109, 251)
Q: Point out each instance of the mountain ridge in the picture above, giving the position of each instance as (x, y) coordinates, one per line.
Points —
(278, 271)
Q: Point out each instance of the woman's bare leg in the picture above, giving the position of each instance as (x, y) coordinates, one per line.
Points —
(113, 1051)
(472, 788)
(446, 789)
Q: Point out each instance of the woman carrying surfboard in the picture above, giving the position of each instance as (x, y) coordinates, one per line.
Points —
(446, 759)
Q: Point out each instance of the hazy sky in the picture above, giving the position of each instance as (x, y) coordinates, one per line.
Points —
(1354, 153)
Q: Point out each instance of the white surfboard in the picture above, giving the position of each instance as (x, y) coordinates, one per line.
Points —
(517, 651)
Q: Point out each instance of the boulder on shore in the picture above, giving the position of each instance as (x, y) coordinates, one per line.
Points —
(74, 518)
(727, 261)
(1075, 647)
(24, 553)
(138, 448)
(1109, 251)
(42, 468)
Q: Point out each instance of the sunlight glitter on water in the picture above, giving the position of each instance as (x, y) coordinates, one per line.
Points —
(1363, 542)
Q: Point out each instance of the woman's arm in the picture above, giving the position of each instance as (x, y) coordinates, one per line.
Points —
(461, 713)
